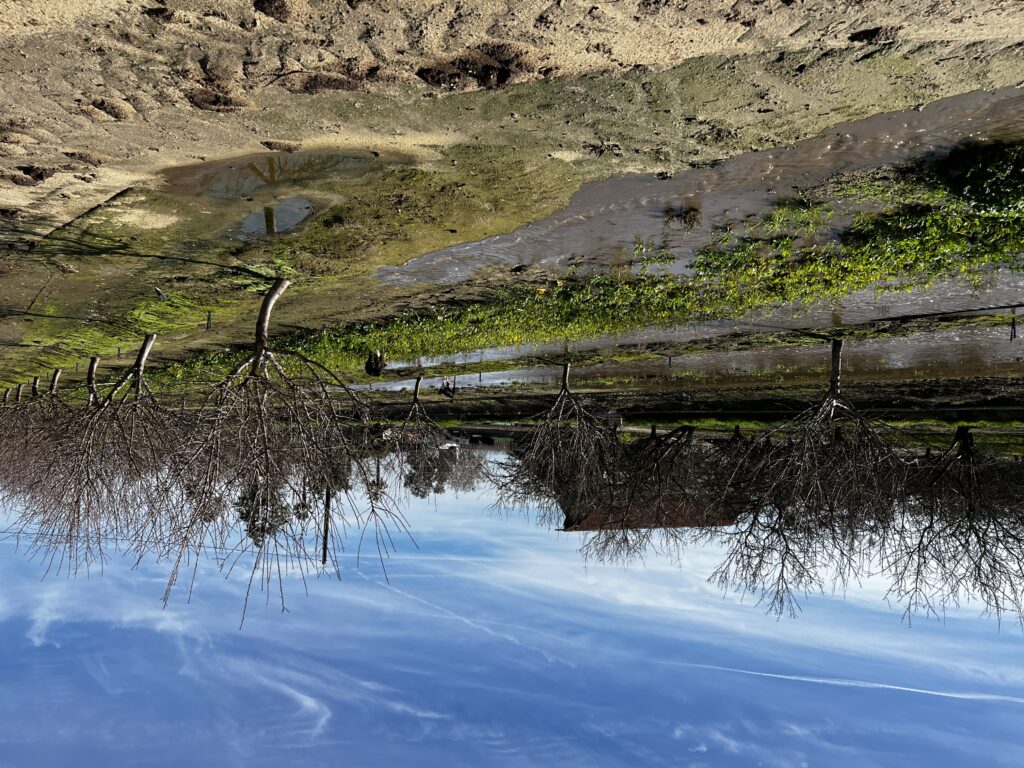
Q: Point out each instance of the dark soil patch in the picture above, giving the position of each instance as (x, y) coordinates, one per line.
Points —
(874, 35)
(489, 66)
(211, 100)
(39, 173)
(281, 10)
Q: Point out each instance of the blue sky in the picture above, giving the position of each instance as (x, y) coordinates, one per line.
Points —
(494, 644)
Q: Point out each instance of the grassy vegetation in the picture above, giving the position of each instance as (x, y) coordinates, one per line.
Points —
(974, 223)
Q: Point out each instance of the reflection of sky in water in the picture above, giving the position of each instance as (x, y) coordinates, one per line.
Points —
(492, 645)
(288, 213)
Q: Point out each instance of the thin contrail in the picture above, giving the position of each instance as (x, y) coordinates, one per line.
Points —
(843, 683)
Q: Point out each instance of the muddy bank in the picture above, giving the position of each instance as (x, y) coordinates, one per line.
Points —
(685, 213)
(498, 117)
(99, 95)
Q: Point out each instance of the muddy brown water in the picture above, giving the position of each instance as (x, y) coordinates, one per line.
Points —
(262, 194)
(604, 219)
(240, 176)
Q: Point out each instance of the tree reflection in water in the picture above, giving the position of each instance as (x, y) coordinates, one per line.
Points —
(814, 505)
(279, 464)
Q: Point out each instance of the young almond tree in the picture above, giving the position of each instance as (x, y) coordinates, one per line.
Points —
(98, 467)
(962, 536)
(804, 491)
(260, 471)
(661, 496)
(563, 463)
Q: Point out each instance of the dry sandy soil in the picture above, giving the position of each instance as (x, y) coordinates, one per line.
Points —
(97, 94)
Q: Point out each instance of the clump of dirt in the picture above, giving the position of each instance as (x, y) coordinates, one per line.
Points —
(222, 67)
(119, 109)
(275, 145)
(88, 158)
(488, 66)
(282, 10)
(38, 173)
(214, 100)
(875, 35)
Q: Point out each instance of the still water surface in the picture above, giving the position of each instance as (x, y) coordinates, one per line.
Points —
(491, 643)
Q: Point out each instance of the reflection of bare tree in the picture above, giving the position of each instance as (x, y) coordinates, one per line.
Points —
(94, 470)
(268, 467)
(805, 490)
(270, 442)
(418, 430)
(814, 505)
(962, 534)
(563, 463)
(429, 469)
(656, 495)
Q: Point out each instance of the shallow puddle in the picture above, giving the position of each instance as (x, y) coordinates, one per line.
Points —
(240, 176)
(249, 197)
(281, 216)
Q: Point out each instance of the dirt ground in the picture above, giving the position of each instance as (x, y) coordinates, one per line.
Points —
(485, 115)
(97, 94)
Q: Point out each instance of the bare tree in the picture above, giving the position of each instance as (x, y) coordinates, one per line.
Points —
(962, 535)
(805, 490)
(282, 442)
(562, 463)
(94, 469)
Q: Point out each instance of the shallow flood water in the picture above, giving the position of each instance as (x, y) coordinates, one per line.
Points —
(491, 643)
(470, 627)
(986, 351)
(604, 219)
(240, 176)
(279, 216)
(945, 354)
(252, 196)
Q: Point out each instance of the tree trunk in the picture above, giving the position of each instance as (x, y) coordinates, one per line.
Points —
(837, 367)
(54, 381)
(263, 322)
(90, 379)
(327, 524)
(140, 361)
